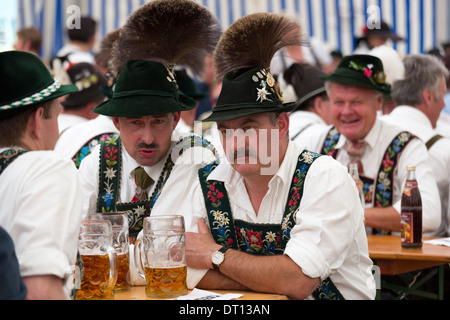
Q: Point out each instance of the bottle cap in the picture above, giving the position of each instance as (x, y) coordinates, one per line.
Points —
(411, 168)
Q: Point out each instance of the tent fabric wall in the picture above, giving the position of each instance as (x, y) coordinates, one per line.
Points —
(337, 23)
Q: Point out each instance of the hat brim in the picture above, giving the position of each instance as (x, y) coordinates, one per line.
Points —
(353, 82)
(62, 91)
(144, 105)
(310, 95)
(198, 96)
(232, 112)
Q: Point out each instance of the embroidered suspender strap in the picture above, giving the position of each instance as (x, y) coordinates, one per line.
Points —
(8, 156)
(259, 239)
(329, 145)
(433, 140)
(385, 179)
(384, 183)
(109, 174)
(87, 148)
(218, 209)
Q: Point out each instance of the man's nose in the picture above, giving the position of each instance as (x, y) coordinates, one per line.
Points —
(147, 135)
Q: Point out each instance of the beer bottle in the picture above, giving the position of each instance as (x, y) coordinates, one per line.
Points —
(353, 171)
(411, 212)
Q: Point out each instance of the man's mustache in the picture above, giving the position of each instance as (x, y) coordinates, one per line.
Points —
(143, 145)
(244, 153)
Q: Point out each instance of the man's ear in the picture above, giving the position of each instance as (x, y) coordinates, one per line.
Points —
(176, 119)
(427, 97)
(283, 124)
(34, 125)
(116, 122)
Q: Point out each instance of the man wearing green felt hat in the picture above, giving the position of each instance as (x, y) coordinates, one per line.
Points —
(148, 166)
(382, 151)
(267, 218)
(40, 194)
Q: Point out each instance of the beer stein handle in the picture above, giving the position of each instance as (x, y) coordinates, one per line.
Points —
(114, 267)
(138, 258)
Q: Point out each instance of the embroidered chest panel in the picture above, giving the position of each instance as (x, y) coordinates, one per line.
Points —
(260, 239)
(253, 238)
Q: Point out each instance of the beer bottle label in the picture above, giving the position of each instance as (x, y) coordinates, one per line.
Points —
(407, 227)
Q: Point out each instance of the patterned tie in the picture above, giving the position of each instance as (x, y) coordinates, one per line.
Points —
(143, 181)
(355, 151)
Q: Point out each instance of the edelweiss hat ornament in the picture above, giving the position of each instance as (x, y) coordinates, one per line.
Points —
(363, 71)
(156, 38)
(26, 82)
(242, 60)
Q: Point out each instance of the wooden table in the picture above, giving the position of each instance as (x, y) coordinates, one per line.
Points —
(388, 255)
(393, 260)
(138, 293)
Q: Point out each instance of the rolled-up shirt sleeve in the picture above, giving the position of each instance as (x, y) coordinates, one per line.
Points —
(327, 220)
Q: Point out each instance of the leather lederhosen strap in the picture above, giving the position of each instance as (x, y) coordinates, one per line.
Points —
(433, 140)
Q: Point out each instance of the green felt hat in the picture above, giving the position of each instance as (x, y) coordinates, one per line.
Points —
(26, 82)
(145, 88)
(361, 70)
(188, 86)
(246, 92)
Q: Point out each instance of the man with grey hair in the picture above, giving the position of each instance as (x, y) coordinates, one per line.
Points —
(382, 151)
(419, 100)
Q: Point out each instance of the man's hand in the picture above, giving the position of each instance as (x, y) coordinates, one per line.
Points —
(200, 247)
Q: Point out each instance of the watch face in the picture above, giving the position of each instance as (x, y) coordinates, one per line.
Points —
(217, 258)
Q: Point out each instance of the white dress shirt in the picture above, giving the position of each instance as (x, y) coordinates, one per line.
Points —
(65, 121)
(335, 213)
(416, 122)
(415, 154)
(301, 122)
(75, 137)
(40, 205)
(76, 55)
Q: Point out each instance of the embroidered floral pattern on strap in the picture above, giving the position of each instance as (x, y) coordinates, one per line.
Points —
(330, 143)
(258, 239)
(87, 148)
(383, 190)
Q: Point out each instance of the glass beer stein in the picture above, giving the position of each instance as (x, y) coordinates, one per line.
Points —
(119, 222)
(95, 244)
(161, 258)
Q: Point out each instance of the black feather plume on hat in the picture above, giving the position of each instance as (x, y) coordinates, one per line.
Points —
(172, 32)
(253, 40)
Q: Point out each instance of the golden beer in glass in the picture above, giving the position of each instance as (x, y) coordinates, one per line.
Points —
(123, 274)
(119, 223)
(99, 261)
(95, 284)
(165, 282)
(161, 258)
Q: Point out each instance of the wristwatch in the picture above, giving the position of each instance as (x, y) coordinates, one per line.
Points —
(218, 257)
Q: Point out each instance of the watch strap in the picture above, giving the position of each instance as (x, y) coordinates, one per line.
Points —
(221, 250)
